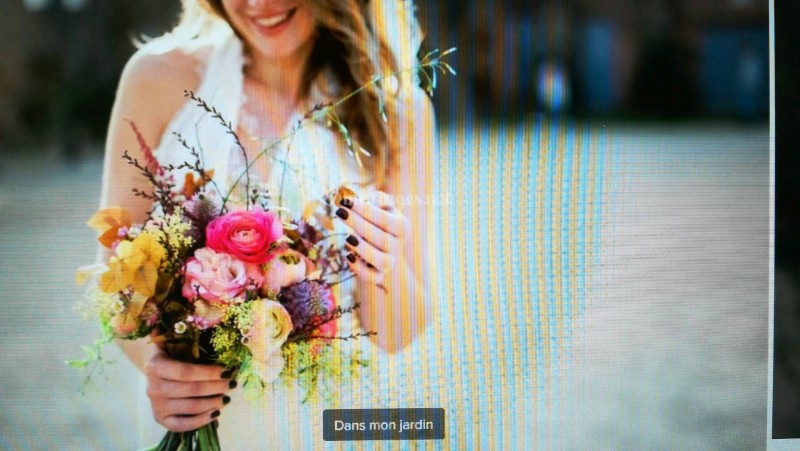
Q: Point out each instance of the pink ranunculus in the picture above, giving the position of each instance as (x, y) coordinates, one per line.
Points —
(246, 235)
(216, 276)
(286, 267)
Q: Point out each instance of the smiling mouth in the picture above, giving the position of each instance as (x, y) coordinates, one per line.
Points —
(275, 21)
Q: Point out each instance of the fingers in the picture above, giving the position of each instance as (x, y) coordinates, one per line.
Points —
(384, 215)
(163, 367)
(183, 423)
(197, 406)
(167, 389)
(382, 228)
(361, 269)
(371, 254)
(365, 229)
(379, 229)
(186, 396)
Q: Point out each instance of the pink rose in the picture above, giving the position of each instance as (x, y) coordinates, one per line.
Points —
(286, 267)
(215, 276)
(246, 235)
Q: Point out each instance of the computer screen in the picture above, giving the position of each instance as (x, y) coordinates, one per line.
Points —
(368, 224)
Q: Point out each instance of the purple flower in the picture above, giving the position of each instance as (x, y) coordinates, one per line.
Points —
(308, 301)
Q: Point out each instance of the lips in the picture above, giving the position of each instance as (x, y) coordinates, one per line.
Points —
(274, 21)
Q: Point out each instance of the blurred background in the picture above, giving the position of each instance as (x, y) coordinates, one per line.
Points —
(627, 59)
(679, 91)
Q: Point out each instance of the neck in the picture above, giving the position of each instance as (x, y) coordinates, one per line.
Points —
(280, 75)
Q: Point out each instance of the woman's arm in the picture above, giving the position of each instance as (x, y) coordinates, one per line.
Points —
(149, 93)
(394, 293)
(183, 396)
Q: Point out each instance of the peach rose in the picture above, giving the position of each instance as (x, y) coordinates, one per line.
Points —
(216, 276)
(270, 328)
(286, 267)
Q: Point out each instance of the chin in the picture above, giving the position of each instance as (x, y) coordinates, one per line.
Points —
(278, 34)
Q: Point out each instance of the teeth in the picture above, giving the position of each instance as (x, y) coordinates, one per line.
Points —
(272, 21)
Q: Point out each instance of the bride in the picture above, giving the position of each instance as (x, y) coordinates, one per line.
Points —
(264, 64)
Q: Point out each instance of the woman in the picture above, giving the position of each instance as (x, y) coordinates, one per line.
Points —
(263, 64)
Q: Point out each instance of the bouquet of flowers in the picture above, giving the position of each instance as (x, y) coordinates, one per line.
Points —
(215, 281)
(214, 284)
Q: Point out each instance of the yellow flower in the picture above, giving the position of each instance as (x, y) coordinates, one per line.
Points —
(136, 264)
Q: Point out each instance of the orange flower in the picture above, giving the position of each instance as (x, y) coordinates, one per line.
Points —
(136, 264)
(191, 187)
(344, 192)
(108, 221)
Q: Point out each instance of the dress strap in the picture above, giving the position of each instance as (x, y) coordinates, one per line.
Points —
(221, 84)
(222, 88)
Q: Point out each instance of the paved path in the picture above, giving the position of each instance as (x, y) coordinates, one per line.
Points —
(674, 353)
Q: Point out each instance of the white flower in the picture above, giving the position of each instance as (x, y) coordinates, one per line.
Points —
(118, 307)
(180, 327)
(271, 367)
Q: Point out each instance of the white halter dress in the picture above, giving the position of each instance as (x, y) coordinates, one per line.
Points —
(318, 162)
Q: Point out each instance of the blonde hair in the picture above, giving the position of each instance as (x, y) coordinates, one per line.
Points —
(356, 39)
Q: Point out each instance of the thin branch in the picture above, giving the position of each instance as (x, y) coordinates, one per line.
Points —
(229, 128)
(429, 61)
(325, 337)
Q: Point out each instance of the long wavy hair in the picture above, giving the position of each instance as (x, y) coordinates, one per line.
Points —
(348, 43)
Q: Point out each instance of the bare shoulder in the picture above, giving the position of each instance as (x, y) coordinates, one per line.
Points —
(150, 93)
(152, 86)
(175, 68)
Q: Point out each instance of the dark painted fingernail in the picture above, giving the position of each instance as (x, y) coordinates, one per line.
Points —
(347, 203)
(232, 384)
(215, 423)
(215, 414)
(369, 265)
(225, 400)
(226, 374)
(352, 240)
(352, 257)
(342, 213)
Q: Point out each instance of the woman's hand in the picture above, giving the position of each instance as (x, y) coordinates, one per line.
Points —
(186, 396)
(377, 242)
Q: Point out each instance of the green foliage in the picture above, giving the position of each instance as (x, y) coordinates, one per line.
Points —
(94, 362)
(227, 342)
(318, 368)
